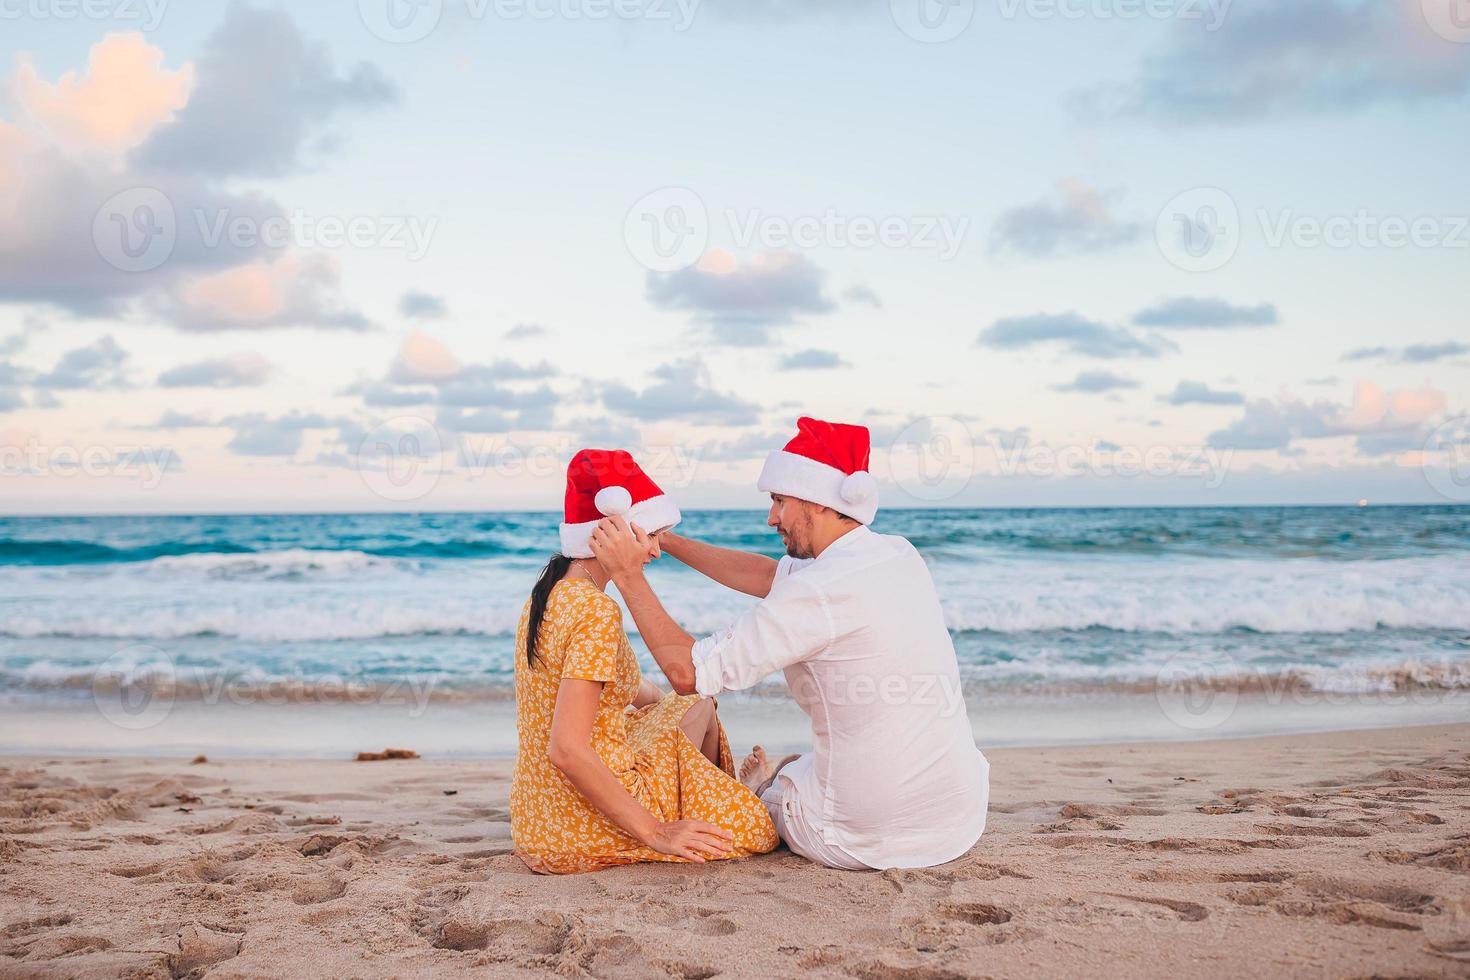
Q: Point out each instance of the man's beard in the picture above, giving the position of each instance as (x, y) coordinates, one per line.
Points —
(794, 550)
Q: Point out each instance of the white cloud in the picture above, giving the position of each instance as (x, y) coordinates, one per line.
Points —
(264, 95)
(243, 370)
(1080, 222)
(1377, 418)
(122, 95)
(1076, 333)
(741, 303)
(683, 392)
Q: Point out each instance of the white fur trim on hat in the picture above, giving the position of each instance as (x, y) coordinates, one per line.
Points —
(654, 514)
(794, 475)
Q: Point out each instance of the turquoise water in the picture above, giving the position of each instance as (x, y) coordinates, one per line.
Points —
(1339, 598)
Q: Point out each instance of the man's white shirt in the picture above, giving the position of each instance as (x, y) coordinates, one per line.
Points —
(894, 778)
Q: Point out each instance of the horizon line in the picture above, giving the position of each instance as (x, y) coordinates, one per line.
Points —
(1353, 505)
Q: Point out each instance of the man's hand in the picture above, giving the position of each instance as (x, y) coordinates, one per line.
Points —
(623, 549)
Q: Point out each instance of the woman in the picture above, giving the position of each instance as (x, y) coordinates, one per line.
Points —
(608, 770)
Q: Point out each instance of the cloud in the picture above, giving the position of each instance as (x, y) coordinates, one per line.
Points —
(750, 445)
(66, 208)
(259, 435)
(123, 93)
(474, 391)
(1199, 393)
(811, 360)
(1080, 223)
(289, 292)
(1412, 354)
(12, 375)
(1425, 353)
(264, 92)
(422, 306)
(243, 370)
(740, 303)
(1079, 335)
(17, 342)
(1096, 382)
(524, 331)
(181, 420)
(605, 431)
(378, 394)
(50, 194)
(1192, 312)
(1273, 425)
(1292, 59)
(1377, 418)
(862, 294)
(10, 399)
(98, 365)
(681, 392)
(492, 420)
(425, 372)
(422, 358)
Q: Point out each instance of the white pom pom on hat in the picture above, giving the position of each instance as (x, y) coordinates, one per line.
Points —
(859, 487)
(611, 501)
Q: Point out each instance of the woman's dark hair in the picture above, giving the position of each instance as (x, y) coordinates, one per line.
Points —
(550, 575)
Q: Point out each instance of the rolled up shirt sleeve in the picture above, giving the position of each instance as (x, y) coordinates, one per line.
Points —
(789, 625)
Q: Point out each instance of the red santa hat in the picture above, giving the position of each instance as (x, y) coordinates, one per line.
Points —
(827, 463)
(605, 482)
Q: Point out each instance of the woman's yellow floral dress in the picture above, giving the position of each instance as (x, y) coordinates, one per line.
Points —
(555, 829)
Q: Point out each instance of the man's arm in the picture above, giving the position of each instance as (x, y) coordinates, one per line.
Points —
(738, 570)
(788, 626)
(622, 551)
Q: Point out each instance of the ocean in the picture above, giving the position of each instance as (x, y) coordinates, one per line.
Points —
(1041, 603)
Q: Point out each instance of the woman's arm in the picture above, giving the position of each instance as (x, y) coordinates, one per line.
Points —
(571, 751)
(738, 570)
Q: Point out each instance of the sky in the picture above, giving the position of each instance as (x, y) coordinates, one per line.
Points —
(413, 254)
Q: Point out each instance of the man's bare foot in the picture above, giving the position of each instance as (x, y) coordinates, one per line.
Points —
(756, 768)
(757, 772)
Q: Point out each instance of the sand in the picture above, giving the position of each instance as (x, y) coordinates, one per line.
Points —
(1307, 855)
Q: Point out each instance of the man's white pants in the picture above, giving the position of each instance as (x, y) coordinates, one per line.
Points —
(790, 819)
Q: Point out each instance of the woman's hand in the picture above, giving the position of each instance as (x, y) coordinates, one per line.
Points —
(691, 839)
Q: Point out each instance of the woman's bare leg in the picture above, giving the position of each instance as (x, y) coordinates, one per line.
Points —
(702, 726)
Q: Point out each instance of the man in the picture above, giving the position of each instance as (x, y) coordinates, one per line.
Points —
(852, 618)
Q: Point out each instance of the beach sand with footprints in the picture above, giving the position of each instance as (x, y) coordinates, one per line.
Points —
(1341, 854)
